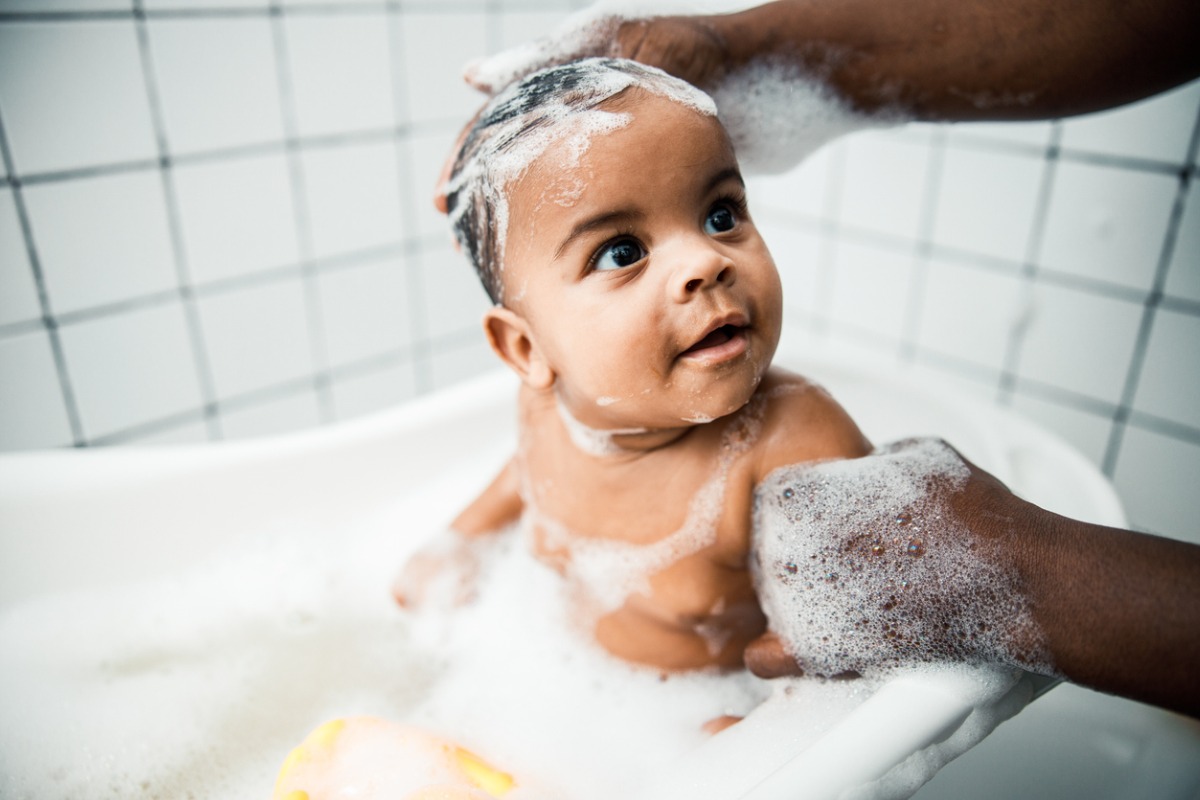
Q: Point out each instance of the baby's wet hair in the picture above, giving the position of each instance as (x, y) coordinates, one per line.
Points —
(522, 122)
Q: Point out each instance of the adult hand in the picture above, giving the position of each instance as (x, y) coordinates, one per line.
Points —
(880, 561)
(688, 47)
(913, 554)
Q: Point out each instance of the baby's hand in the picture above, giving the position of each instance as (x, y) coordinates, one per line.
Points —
(899, 557)
(442, 574)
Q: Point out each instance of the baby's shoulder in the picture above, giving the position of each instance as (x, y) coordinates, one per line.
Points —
(803, 422)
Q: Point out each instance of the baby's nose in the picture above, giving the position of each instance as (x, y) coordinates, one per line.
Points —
(700, 271)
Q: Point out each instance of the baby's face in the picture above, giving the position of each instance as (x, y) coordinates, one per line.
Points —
(646, 287)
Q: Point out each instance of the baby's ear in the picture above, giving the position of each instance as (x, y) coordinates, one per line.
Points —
(509, 335)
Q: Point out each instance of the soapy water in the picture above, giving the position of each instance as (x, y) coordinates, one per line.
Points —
(849, 588)
(198, 684)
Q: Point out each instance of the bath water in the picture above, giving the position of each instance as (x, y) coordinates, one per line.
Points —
(198, 684)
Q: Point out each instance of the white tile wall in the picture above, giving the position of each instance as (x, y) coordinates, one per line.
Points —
(74, 94)
(364, 308)
(341, 73)
(1086, 430)
(1107, 223)
(290, 413)
(986, 202)
(1157, 128)
(463, 360)
(237, 216)
(870, 289)
(257, 336)
(362, 394)
(435, 91)
(32, 412)
(1183, 279)
(353, 197)
(799, 258)
(517, 27)
(1156, 478)
(969, 313)
(804, 191)
(1168, 388)
(318, 282)
(884, 185)
(18, 292)
(154, 377)
(65, 5)
(452, 294)
(217, 81)
(428, 153)
(1031, 134)
(200, 4)
(101, 239)
(1081, 343)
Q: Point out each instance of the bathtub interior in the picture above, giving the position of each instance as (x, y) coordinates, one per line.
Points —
(88, 521)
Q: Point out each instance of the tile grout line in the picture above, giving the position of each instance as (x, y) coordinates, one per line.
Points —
(318, 346)
(48, 320)
(413, 264)
(292, 387)
(831, 229)
(1030, 272)
(922, 247)
(218, 11)
(185, 290)
(332, 264)
(1149, 312)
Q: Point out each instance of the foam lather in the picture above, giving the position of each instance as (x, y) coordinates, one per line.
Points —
(861, 565)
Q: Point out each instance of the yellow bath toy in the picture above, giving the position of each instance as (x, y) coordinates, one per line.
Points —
(367, 758)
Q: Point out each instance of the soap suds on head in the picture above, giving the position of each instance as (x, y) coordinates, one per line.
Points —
(777, 114)
(559, 107)
(776, 111)
(859, 566)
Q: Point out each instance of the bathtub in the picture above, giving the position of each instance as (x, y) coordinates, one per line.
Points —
(89, 522)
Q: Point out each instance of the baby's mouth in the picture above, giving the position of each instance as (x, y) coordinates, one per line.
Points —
(722, 342)
(720, 336)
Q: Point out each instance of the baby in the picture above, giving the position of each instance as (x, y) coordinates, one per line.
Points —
(602, 205)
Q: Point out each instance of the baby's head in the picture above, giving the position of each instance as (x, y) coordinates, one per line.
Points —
(601, 203)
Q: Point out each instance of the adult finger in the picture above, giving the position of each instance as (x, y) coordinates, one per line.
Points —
(767, 657)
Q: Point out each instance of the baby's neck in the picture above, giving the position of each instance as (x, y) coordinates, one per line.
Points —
(617, 442)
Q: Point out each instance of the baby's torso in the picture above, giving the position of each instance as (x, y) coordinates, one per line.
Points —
(653, 548)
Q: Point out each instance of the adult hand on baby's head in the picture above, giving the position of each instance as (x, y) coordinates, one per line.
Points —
(903, 556)
(688, 47)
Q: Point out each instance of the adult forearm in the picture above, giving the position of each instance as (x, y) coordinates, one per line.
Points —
(1120, 611)
(974, 59)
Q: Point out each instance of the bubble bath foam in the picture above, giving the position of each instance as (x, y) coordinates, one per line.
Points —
(173, 621)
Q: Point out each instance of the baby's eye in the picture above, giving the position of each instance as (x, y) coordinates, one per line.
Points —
(617, 254)
(720, 219)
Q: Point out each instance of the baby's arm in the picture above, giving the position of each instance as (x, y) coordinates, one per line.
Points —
(803, 424)
(447, 565)
(496, 508)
